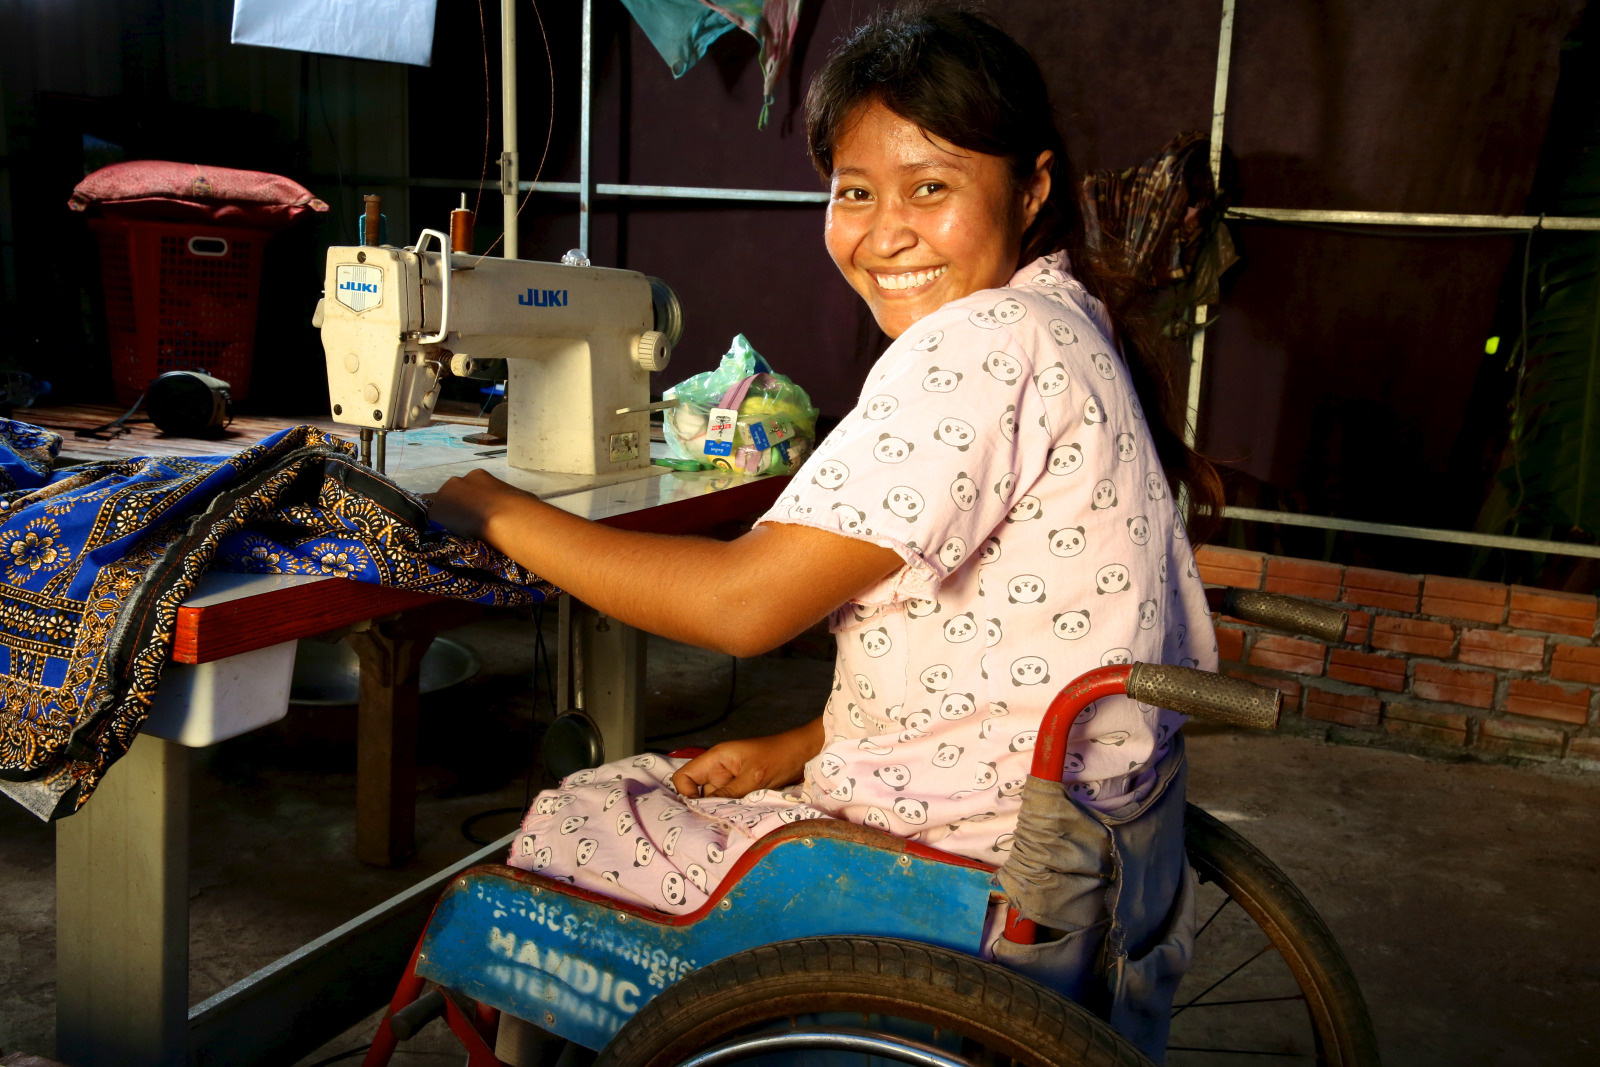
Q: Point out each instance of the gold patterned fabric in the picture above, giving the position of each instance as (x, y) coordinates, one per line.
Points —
(96, 559)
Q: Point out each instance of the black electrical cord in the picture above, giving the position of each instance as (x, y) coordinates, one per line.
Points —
(721, 717)
(346, 1054)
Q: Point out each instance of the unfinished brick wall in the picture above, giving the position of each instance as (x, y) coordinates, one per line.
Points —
(1427, 661)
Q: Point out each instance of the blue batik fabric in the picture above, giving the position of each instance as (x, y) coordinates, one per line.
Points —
(95, 559)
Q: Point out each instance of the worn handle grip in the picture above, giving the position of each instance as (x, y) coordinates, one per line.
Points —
(1206, 696)
(1286, 613)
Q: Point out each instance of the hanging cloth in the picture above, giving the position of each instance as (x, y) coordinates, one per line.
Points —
(682, 30)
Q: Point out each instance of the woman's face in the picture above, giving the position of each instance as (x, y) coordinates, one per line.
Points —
(915, 222)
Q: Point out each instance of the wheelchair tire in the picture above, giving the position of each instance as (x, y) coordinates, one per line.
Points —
(1010, 1017)
(1340, 1027)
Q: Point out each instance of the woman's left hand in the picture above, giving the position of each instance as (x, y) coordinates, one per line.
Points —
(467, 504)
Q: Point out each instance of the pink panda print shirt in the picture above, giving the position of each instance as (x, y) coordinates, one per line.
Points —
(999, 447)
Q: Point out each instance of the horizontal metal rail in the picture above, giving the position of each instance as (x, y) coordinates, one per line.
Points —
(664, 192)
(1416, 533)
(1412, 218)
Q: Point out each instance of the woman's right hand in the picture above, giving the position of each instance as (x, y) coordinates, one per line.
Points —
(735, 768)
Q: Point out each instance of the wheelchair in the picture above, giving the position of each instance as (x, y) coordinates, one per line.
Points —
(770, 966)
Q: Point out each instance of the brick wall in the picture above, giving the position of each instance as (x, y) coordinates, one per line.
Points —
(1443, 664)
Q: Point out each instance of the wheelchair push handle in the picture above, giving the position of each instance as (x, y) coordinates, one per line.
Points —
(1204, 695)
(1286, 613)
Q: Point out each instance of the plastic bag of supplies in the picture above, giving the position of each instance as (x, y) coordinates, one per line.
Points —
(743, 416)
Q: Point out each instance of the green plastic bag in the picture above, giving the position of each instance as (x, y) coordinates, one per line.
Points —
(743, 416)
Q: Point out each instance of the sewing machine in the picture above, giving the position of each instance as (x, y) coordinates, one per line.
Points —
(576, 344)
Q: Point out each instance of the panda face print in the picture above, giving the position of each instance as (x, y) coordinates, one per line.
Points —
(1067, 542)
(877, 818)
(525, 844)
(1002, 843)
(1116, 738)
(587, 845)
(919, 608)
(892, 449)
(1029, 507)
(912, 811)
(916, 725)
(612, 798)
(1029, 670)
(643, 852)
(866, 744)
(896, 776)
(1178, 529)
(1025, 589)
(961, 629)
(1155, 486)
(1062, 332)
(882, 406)
(904, 502)
(929, 343)
(936, 679)
(830, 475)
(875, 642)
(1133, 403)
(1147, 614)
(672, 888)
(545, 805)
(947, 756)
(572, 823)
(851, 520)
(984, 320)
(1112, 578)
(1024, 741)
(697, 876)
(964, 491)
(541, 860)
(957, 433)
(1139, 530)
(1009, 311)
(941, 381)
(952, 552)
(1161, 568)
(1070, 625)
(864, 687)
(1012, 788)
(1103, 365)
(843, 791)
(989, 551)
(1002, 368)
(1115, 656)
(1127, 452)
(1002, 488)
(1045, 278)
(957, 706)
(828, 765)
(991, 633)
(1105, 495)
(1064, 459)
(897, 714)
(669, 844)
(1093, 412)
(1052, 380)
(802, 511)
(1008, 423)
(581, 778)
(858, 718)
(985, 776)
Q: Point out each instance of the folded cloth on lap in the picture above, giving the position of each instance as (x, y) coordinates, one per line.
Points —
(95, 559)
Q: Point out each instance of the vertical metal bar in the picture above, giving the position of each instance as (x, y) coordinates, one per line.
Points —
(1219, 110)
(509, 163)
(585, 119)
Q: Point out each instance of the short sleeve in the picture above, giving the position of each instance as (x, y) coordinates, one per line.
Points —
(950, 431)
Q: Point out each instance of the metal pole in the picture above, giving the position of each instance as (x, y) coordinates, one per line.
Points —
(510, 177)
(1415, 533)
(1219, 110)
(1411, 218)
(585, 176)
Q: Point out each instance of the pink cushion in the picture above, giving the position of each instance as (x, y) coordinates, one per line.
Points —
(155, 189)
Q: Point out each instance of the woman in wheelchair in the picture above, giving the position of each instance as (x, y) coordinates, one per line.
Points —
(995, 516)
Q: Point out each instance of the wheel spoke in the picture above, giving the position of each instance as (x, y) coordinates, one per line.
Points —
(1227, 1003)
(1225, 902)
(1179, 1011)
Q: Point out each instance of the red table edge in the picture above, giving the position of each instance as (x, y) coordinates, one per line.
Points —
(216, 631)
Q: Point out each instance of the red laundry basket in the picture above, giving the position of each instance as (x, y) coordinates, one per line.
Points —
(179, 296)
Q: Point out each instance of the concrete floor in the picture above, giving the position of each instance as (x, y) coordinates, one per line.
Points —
(1464, 894)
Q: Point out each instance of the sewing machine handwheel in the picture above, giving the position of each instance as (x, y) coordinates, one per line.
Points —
(653, 351)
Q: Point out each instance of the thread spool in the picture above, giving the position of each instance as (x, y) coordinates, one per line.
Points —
(461, 220)
(372, 204)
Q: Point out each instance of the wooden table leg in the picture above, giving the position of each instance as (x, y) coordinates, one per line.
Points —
(386, 742)
(122, 915)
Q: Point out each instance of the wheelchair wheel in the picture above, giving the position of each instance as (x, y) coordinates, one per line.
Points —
(1267, 978)
(922, 1003)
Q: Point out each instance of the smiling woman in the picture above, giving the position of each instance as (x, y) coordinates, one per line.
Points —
(992, 519)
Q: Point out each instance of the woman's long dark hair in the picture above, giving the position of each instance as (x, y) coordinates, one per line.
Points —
(957, 75)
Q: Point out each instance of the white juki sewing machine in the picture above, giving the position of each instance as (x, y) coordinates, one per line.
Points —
(577, 343)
